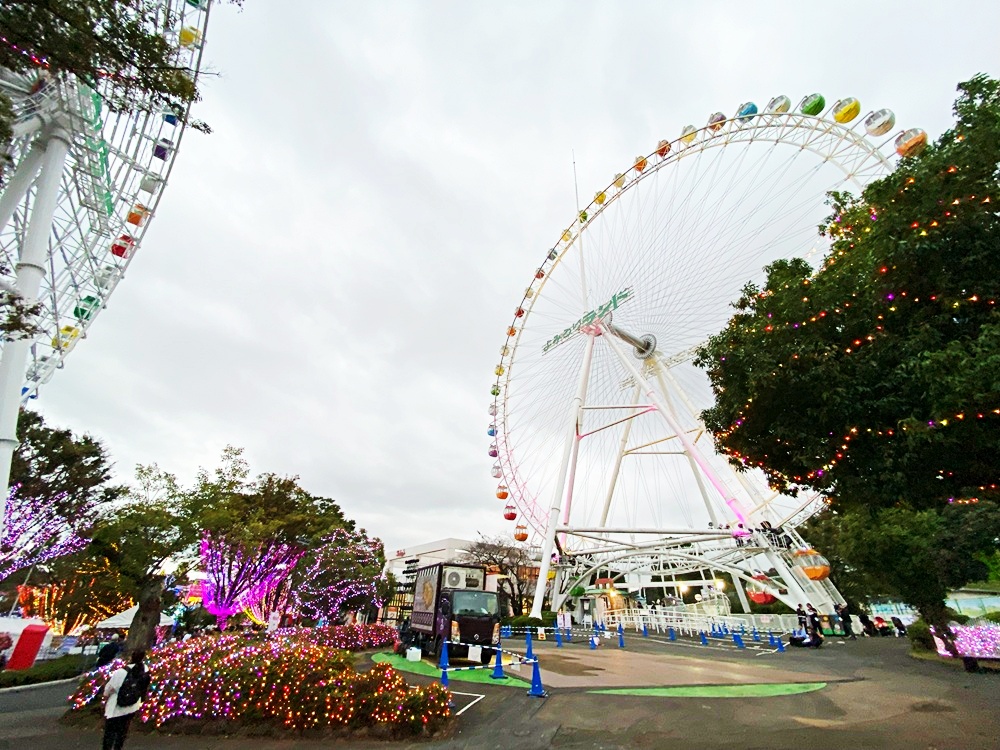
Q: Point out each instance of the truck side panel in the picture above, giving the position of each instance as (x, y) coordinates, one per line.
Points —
(425, 595)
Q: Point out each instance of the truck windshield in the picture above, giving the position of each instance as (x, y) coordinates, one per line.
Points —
(475, 603)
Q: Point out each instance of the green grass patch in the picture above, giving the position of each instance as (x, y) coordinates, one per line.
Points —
(400, 663)
(720, 691)
(51, 670)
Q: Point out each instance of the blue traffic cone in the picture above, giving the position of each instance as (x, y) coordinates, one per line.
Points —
(537, 691)
(593, 642)
(558, 638)
(704, 640)
(528, 653)
(756, 635)
(781, 646)
(738, 640)
(621, 637)
(444, 678)
(743, 629)
(498, 668)
(645, 631)
(443, 661)
(671, 634)
(604, 628)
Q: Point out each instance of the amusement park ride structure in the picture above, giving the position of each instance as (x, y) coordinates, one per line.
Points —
(84, 184)
(598, 444)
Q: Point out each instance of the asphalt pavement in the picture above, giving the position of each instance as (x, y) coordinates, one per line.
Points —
(875, 696)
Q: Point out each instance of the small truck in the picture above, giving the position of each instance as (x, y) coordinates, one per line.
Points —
(451, 603)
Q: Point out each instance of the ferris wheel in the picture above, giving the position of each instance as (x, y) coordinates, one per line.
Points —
(598, 447)
(83, 188)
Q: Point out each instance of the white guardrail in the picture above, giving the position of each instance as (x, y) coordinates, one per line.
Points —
(659, 619)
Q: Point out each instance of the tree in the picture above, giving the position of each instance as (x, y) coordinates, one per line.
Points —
(242, 574)
(343, 574)
(875, 379)
(33, 531)
(250, 528)
(512, 561)
(137, 539)
(54, 463)
(918, 556)
(117, 43)
(80, 590)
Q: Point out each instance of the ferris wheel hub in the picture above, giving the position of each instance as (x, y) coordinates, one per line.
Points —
(643, 346)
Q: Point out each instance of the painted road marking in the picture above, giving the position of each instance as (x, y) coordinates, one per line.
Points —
(478, 697)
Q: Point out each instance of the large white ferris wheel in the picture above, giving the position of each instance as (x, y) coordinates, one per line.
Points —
(84, 185)
(599, 450)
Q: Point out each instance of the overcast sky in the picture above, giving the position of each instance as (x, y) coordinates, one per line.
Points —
(329, 276)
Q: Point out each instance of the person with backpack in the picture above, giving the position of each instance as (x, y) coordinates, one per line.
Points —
(124, 693)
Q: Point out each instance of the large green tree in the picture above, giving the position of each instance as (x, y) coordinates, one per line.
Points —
(51, 461)
(875, 379)
(155, 528)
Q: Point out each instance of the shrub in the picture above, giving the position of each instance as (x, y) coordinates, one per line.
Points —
(291, 680)
(992, 616)
(920, 636)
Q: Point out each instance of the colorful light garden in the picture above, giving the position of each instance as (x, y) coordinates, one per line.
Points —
(299, 679)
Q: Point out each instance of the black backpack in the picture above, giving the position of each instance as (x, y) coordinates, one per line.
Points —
(133, 688)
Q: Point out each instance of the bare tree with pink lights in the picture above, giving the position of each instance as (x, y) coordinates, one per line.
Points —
(34, 530)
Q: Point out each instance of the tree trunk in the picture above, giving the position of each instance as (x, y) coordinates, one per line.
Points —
(937, 617)
(142, 631)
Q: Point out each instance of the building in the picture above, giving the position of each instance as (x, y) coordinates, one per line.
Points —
(443, 550)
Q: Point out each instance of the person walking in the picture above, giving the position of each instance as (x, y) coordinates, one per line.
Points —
(844, 612)
(124, 693)
(801, 614)
(815, 628)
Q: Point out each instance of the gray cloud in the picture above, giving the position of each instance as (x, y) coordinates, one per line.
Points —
(329, 276)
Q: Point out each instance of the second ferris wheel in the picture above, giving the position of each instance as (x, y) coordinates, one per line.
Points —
(599, 450)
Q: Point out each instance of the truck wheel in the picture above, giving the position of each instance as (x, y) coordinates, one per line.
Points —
(486, 656)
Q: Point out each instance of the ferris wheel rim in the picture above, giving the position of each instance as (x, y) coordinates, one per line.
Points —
(98, 148)
(713, 135)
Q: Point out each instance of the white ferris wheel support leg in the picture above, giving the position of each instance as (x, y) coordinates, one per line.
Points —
(19, 183)
(569, 454)
(678, 429)
(30, 272)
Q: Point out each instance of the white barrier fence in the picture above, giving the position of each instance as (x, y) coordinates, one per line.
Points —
(691, 623)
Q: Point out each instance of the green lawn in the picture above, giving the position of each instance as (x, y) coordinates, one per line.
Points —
(472, 675)
(47, 671)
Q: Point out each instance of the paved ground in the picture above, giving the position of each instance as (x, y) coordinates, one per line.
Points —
(876, 696)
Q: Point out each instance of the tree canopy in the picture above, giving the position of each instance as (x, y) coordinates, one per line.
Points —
(876, 379)
(119, 43)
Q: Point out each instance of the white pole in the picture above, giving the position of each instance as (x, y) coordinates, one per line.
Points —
(557, 496)
(30, 272)
(19, 183)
